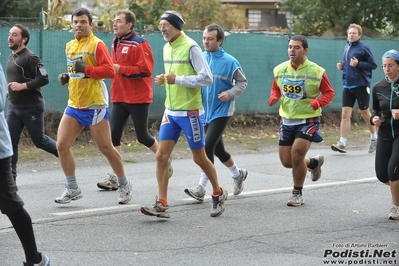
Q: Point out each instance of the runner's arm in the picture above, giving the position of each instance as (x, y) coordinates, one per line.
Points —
(199, 64)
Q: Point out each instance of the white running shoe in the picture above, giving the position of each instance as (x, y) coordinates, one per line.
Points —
(239, 181)
(373, 145)
(218, 203)
(68, 195)
(125, 193)
(197, 193)
(111, 182)
(316, 173)
(296, 199)
(339, 147)
(45, 261)
(170, 167)
(394, 213)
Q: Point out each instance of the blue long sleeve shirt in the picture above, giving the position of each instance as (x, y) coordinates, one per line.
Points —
(5, 138)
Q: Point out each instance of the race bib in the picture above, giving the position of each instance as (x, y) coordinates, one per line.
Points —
(293, 89)
(72, 73)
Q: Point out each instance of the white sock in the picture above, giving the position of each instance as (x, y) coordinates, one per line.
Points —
(203, 181)
(235, 171)
(373, 136)
(343, 141)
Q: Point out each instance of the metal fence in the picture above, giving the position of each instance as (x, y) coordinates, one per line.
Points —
(258, 54)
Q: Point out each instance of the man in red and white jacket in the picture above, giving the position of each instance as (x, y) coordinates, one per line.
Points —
(131, 88)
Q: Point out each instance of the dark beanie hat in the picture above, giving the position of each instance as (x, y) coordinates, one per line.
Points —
(174, 19)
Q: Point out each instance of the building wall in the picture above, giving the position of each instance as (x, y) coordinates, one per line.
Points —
(270, 17)
(239, 9)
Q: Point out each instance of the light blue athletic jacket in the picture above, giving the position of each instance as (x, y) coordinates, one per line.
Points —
(5, 139)
(222, 66)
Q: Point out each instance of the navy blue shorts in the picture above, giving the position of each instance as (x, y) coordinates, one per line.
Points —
(306, 129)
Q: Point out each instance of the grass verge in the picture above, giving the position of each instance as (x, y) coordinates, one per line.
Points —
(244, 134)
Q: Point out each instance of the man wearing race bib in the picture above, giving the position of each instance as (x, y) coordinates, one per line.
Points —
(186, 71)
(88, 63)
(302, 88)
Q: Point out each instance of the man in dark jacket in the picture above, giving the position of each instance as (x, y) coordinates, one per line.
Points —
(26, 75)
(357, 65)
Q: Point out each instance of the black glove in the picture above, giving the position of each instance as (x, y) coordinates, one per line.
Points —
(78, 66)
(63, 78)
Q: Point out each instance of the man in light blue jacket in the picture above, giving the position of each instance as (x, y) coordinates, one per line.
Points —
(10, 202)
(218, 99)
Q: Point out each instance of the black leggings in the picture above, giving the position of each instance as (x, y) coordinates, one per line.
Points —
(387, 159)
(139, 113)
(11, 204)
(214, 139)
(22, 224)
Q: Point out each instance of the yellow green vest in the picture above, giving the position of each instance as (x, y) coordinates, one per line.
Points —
(176, 59)
(298, 88)
(84, 92)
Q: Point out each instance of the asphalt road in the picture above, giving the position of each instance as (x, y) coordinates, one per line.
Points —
(343, 222)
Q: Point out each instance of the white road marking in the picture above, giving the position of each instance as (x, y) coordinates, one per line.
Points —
(254, 192)
(129, 206)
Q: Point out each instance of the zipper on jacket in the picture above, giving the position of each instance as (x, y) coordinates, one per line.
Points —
(166, 84)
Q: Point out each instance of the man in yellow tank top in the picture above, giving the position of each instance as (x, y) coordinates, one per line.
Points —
(88, 63)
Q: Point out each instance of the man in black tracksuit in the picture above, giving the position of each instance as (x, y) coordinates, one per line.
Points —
(26, 75)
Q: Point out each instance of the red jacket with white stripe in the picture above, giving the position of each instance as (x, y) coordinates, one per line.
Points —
(133, 82)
